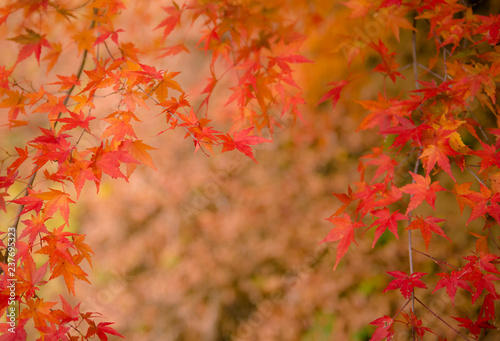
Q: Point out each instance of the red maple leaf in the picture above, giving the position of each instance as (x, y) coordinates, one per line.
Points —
(101, 330)
(55, 201)
(119, 125)
(34, 227)
(416, 324)
(30, 202)
(342, 232)
(385, 329)
(32, 42)
(451, 282)
(19, 333)
(421, 190)
(67, 82)
(333, 93)
(76, 121)
(30, 277)
(427, 226)
(242, 141)
(79, 170)
(437, 150)
(405, 283)
(387, 220)
(57, 246)
(384, 162)
(475, 327)
(171, 21)
(68, 313)
(108, 161)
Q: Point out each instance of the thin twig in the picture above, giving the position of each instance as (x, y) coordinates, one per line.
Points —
(435, 259)
(431, 72)
(474, 174)
(433, 313)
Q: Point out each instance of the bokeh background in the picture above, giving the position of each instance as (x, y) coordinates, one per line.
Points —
(222, 248)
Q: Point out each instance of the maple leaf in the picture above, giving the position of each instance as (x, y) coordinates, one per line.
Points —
(360, 8)
(388, 65)
(346, 199)
(58, 246)
(168, 82)
(480, 203)
(54, 106)
(39, 311)
(437, 150)
(488, 307)
(30, 277)
(19, 333)
(67, 82)
(461, 192)
(79, 170)
(484, 262)
(333, 93)
(385, 329)
(76, 121)
(55, 201)
(34, 227)
(490, 156)
(105, 33)
(241, 141)
(101, 330)
(475, 327)
(384, 162)
(386, 220)
(481, 243)
(139, 150)
(451, 282)
(69, 270)
(119, 125)
(426, 226)
(32, 42)
(173, 19)
(342, 232)
(416, 324)
(473, 273)
(23, 155)
(108, 161)
(395, 19)
(30, 202)
(421, 190)
(53, 56)
(83, 249)
(405, 283)
(68, 314)
(388, 3)
(174, 50)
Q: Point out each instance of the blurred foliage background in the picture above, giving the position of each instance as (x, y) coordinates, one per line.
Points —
(220, 248)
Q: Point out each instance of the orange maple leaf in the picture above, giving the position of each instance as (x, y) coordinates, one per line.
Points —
(342, 232)
(242, 141)
(55, 200)
(39, 311)
(69, 271)
(421, 190)
(427, 226)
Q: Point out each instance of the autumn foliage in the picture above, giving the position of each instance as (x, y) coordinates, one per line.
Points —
(83, 91)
